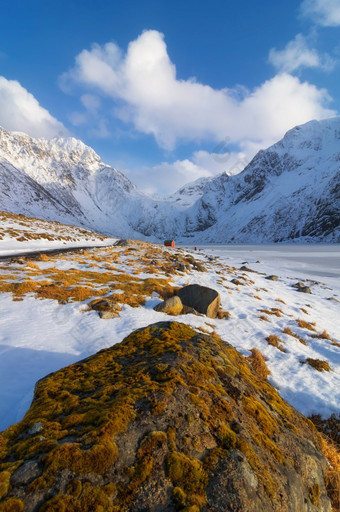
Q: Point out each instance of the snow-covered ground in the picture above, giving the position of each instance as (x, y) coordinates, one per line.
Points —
(41, 336)
(20, 234)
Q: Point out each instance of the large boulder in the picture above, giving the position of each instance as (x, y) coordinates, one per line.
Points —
(201, 298)
(169, 419)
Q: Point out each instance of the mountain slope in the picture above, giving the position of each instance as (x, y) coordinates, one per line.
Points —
(288, 192)
(64, 180)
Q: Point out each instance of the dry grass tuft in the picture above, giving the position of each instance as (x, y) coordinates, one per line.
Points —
(332, 472)
(272, 311)
(280, 300)
(275, 341)
(223, 314)
(258, 363)
(306, 325)
(264, 318)
(318, 364)
(43, 257)
(287, 330)
(325, 336)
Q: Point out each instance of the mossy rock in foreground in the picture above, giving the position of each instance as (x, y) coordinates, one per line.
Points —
(170, 419)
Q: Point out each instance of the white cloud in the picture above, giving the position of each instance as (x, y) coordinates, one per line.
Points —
(20, 111)
(168, 177)
(297, 54)
(323, 12)
(146, 92)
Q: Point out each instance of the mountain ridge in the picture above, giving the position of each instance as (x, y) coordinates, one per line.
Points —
(287, 193)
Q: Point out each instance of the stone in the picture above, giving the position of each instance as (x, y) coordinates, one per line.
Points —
(121, 243)
(304, 289)
(237, 282)
(247, 269)
(35, 429)
(272, 278)
(187, 310)
(203, 299)
(171, 306)
(26, 472)
(105, 308)
(299, 284)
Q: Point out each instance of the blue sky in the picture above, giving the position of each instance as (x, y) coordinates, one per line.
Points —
(168, 91)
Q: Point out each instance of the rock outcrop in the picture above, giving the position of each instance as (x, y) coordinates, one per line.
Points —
(169, 419)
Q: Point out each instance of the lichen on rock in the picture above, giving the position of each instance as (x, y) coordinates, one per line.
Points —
(169, 419)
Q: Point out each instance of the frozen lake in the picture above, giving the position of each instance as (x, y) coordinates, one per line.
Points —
(313, 261)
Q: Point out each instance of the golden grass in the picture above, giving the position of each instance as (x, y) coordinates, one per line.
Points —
(332, 472)
(264, 318)
(306, 325)
(258, 363)
(325, 336)
(100, 279)
(287, 330)
(318, 364)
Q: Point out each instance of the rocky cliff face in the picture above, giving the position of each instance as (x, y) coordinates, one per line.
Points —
(169, 419)
(289, 192)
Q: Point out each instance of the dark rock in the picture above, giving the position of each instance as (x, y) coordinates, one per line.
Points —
(205, 300)
(304, 289)
(183, 267)
(121, 243)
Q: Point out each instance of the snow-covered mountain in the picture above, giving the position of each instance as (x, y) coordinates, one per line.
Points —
(289, 192)
(64, 180)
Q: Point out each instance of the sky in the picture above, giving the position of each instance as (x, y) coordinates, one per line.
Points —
(168, 91)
